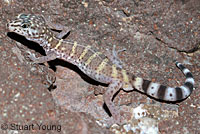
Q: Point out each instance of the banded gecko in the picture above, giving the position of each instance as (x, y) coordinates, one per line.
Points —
(94, 63)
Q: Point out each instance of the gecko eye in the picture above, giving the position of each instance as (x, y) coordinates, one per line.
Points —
(24, 26)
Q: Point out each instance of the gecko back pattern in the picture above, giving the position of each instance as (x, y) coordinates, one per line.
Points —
(95, 64)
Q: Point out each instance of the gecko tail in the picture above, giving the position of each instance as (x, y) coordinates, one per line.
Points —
(165, 93)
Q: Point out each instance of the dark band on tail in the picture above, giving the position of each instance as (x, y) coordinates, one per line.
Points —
(180, 66)
(189, 86)
(189, 75)
(179, 93)
(161, 92)
(145, 85)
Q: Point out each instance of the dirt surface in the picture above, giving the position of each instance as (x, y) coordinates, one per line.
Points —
(155, 33)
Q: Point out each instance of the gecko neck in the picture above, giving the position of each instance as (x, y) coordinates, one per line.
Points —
(46, 40)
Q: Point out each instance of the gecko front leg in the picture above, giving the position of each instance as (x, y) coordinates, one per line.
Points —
(64, 29)
(50, 56)
(113, 87)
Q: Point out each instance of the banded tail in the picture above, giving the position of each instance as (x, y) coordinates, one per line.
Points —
(161, 92)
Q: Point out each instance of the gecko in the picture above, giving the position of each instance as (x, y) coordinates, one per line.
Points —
(94, 63)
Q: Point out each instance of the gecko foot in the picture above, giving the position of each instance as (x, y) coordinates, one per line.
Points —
(114, 56)
(31, 56)
(111, 121)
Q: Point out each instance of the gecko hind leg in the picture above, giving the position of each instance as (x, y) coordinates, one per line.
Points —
(114, 56)
(108, 96)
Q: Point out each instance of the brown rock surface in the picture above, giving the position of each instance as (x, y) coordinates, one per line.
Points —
(155, 34)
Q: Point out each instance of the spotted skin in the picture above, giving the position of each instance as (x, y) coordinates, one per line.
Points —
(95, 64)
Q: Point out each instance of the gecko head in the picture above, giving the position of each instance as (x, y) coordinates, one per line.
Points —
(28, 25)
